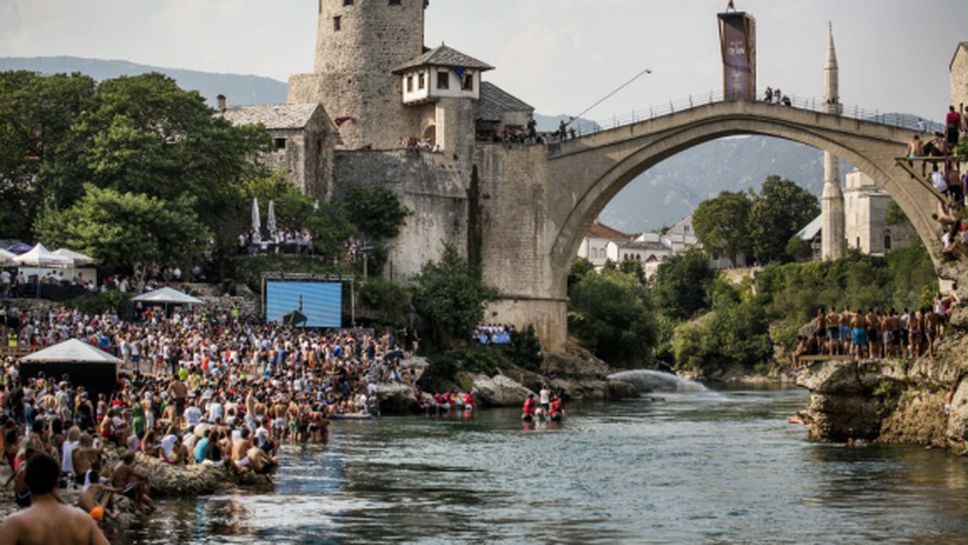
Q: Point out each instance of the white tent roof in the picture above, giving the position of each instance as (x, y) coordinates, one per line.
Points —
(71, 351)
(78, 257)
(7, 258)
(38, 256)
(168, 295)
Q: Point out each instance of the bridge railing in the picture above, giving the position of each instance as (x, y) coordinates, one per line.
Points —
(904, 121)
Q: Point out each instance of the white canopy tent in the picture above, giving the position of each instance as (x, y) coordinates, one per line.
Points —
(7, 258)
(39, 256)
(167, 296)
(71, 351)
(79, 258)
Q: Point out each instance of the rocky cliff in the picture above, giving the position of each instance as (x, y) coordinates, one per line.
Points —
(922, 401)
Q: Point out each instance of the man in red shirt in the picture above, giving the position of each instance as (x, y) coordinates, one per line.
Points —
(952, 123)
(529, 406)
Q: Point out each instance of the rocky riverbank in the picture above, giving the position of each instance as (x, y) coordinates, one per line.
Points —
(575, 374)
(921, 402)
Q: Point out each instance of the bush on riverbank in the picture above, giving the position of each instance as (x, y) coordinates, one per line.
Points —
(613, 316)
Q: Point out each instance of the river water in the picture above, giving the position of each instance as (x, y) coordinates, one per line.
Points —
(700, 467)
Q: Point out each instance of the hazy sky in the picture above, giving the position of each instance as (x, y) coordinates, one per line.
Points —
(558, 55)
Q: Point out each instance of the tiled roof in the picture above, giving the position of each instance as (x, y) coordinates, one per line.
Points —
(276, 116)
(496, 101)
(597, 230)
(444, 56)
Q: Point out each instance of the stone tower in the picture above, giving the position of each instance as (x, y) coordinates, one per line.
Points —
(832, 201)
(358, 45)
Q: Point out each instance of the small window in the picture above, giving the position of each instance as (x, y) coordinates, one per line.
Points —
(347, 2)
(280, 144)
(443, 80)
(467, 82)
(421, 81)
(337, 23)
(887, 243)
(394, 2)
(409, 84)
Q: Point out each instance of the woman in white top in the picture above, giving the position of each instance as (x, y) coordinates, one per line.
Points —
(71, 443)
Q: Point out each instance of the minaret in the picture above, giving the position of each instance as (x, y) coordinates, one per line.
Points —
(832, 201)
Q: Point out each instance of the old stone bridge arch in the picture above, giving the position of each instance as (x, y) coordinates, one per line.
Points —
(541, 200)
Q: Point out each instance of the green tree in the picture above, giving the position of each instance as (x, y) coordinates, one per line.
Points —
(375, 210)
(126, 231)
(39, 153)
(722, 224)
(780, 210)
(612, 315)
(146, 135)
(634, 268)
(450, 298)
(681, 284)
(579, 269)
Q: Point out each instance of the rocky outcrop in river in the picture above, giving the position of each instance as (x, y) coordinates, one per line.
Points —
(922, 401)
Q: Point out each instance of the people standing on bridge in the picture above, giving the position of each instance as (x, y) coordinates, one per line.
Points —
(562, 131)
(914, 148)
(952, 123)
(768, 97)
(922, 126)
(778, 95)
(532, 130)
(938, 180)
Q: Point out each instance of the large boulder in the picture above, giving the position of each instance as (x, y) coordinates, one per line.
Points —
(499, 391)
(395, 398)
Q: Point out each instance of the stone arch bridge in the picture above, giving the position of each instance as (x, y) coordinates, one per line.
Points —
(538, 201)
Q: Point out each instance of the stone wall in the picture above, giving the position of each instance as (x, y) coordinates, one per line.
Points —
(430, 185)
(959, 77)
(517, 234)
(353, 70)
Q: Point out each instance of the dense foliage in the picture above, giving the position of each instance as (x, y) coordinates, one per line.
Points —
(758, 225)
(681, 284)
(612, 315)
(375, 210)
(126, 231)
(780, 210)
(450, 299)
(138, 135)
(722, 224)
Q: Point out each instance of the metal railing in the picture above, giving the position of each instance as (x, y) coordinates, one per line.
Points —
(587, 127)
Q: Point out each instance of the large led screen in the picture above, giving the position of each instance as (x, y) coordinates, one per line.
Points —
(304, 304)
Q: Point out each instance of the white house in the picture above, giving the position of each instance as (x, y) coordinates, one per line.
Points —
(594, 245)
(648, 253)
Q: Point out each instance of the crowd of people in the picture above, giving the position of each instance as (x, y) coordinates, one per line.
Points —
(877, 333)
(945, 177)
(197, 388)
(289, 241)
(776, 96)
(494, 333)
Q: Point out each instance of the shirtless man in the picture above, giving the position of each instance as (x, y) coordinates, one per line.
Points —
(240, 450)
(873, 333)
(84, 457)
(179, 392)
(95, 495)
(932, 329)
(858, 336)
(48, 520)
(833, 332)
(132, 483)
